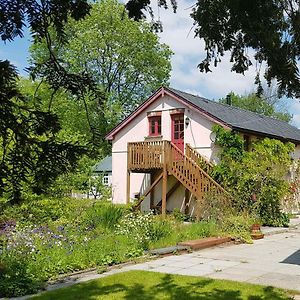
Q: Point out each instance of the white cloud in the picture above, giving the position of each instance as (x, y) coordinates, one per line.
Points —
(189, 51)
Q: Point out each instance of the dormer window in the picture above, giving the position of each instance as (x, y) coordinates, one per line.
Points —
(154, 125)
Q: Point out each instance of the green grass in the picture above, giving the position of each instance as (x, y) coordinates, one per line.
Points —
(142, 285)
(178, 232)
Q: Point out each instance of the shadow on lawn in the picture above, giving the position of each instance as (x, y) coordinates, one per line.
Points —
(167, 287)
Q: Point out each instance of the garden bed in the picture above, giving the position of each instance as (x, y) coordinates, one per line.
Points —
(60, 236)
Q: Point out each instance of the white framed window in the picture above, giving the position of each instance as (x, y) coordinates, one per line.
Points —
(105, 179)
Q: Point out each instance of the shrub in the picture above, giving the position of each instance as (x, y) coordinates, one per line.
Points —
(258, 175)
(15, 276)
(214, 207)
(137, 225)
(104, 214)
(238, 227)
(179, 216)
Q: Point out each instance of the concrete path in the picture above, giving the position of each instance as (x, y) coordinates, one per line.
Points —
(274, 260)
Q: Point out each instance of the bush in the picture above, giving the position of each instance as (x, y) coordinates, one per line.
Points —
(139, 226)
(103, 214)
(79, 234)
(258, 175)
(214, 207)
(238, 227)
(15, 276)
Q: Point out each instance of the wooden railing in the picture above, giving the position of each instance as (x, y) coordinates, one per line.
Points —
(201, 161)
(145, 155)
(160, 154)
(191, 175)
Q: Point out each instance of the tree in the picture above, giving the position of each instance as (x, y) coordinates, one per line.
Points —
(123, 56)
(268, 27)
(30, 152)
(265, 106)
(74, 115)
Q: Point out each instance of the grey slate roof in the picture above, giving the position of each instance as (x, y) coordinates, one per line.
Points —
(105, 165)
(243, 120)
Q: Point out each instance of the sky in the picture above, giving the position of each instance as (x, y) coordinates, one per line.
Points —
(178, 33)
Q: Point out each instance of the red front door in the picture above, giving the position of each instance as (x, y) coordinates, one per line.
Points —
(178, 131)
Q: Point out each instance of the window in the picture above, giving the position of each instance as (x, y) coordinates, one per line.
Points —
(154, 126)
(105, 179)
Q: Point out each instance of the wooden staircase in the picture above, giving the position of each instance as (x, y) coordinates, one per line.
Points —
(191, 175)
(201, 161)
(190, 169)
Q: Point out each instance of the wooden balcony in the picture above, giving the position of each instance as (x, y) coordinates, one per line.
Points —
(145, 156)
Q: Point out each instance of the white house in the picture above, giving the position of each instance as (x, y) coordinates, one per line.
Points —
(104, 169)
(156, 150)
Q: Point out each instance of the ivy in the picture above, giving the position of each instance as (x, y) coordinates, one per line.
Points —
(255, 178)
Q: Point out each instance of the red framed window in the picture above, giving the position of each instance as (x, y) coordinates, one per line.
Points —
(154, 125)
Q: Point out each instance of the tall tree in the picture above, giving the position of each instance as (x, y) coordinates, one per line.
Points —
(269, 27)
(30, 152)
(123, 56)
(268, 106)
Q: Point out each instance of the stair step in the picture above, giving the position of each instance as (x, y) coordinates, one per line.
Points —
(205, 243)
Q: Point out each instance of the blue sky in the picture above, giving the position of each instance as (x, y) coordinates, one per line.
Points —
(188, 52)
(16, 52)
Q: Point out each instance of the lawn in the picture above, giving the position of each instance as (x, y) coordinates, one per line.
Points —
(142, 285)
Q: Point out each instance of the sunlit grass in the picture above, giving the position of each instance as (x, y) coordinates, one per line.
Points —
(142, 285)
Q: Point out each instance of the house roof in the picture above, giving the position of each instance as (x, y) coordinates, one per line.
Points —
(225, 115)
(105, 165)
(243, 120)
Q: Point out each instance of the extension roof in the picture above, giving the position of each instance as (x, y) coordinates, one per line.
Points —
(105, 165)
(228, 116)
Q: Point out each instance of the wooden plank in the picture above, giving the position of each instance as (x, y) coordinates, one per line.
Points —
(142, 197)
(187, 195)
(151, 193)
(153, 185)
(128, 187)
(170, 192)
(164, 193)
(205, 242)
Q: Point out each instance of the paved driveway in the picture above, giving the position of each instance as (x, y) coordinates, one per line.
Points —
(274, 260)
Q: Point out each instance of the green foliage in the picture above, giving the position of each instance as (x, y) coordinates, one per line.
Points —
(139, 226)
(269, 28)
(106, 215)
(123, 56)
(214, 207)
(57, 236)
(174, 232)
(179, 216)
(231, 143)
(31, 154)
(238, 227)
(256, 175)
(15, 278)
(265, 105)
(43, 211)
